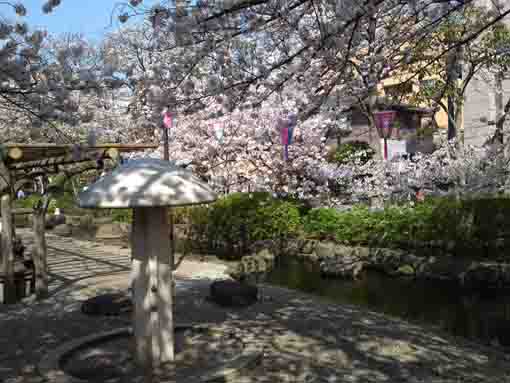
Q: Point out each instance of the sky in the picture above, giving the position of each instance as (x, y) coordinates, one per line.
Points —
(90, 17)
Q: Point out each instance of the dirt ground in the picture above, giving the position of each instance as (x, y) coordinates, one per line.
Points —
(305, 339)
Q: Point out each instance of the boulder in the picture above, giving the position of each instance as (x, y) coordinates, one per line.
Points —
(73, 220)
(361, 252)
(308, 247)
(406, 270)
(102, 220)
(233, 294)
(345, 267)
(54, 220)
(109, 231)
(293, 247)
(235, 271)
(63, 230)
(261, 262)
(325, 250)
(266, 255)
(107, 304)
(258, 246)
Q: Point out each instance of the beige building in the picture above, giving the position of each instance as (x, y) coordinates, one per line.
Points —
(483, 105)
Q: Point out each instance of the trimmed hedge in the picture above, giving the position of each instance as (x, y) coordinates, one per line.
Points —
(475, 227)
(230, 225)
(467, 227)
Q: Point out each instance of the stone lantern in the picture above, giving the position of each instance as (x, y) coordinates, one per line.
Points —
(149, 186)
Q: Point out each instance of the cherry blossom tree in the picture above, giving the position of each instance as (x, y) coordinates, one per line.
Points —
(452, 169)
(336, 51)
(48, 85)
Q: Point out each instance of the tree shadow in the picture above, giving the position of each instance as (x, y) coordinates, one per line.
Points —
(305, 339)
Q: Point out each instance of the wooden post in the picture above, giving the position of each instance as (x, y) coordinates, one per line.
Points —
(7, 250)
(152, 285)
(166, 145)
(40, 253)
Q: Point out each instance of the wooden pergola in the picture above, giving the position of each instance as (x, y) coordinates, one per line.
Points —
(19, 162)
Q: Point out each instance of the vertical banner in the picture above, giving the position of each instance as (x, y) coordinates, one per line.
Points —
(168, 120)
(219, 131)
(284, 135)
(292, 126)
(286, 127)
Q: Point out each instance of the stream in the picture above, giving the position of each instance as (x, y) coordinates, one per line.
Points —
(480, 316)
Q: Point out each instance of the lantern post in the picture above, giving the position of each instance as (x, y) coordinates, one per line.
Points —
(384, 125)
(167, 125)
(286, 127)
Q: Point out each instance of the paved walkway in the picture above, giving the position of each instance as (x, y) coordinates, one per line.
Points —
(82, 263)
(306, 340)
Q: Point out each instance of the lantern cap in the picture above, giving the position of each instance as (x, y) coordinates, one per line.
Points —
(146, 182)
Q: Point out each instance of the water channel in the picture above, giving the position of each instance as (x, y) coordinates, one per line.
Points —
(480, 316)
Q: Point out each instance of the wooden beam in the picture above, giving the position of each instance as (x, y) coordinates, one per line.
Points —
(15, 153)
(22, 211)
(55, 161)
(18, 153)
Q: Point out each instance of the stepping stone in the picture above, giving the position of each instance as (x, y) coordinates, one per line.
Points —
(107, 304)
(233, 294)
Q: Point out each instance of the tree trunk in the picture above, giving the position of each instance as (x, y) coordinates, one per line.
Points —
(459, 119)
(452, 131)
(500, 121)
(10, 295)
(40, 254)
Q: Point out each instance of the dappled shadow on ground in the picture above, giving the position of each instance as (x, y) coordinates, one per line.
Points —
(305, 339)
(74, 261)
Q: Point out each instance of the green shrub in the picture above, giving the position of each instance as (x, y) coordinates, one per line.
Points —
(27, 202)
(276, 220)
(228, 226)
(121, 215)
(322, 222)
(474, 225)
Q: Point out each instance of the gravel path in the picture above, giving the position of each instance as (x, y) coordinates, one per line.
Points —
(306, 340)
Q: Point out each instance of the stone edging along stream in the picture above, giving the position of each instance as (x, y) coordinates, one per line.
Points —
(342, 261)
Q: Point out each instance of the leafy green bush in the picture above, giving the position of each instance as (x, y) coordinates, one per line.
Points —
(322, 222)
(276, 220)
(121, 215)
(228, 226)
(237, 220)
(27, 202)
(473, 225)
